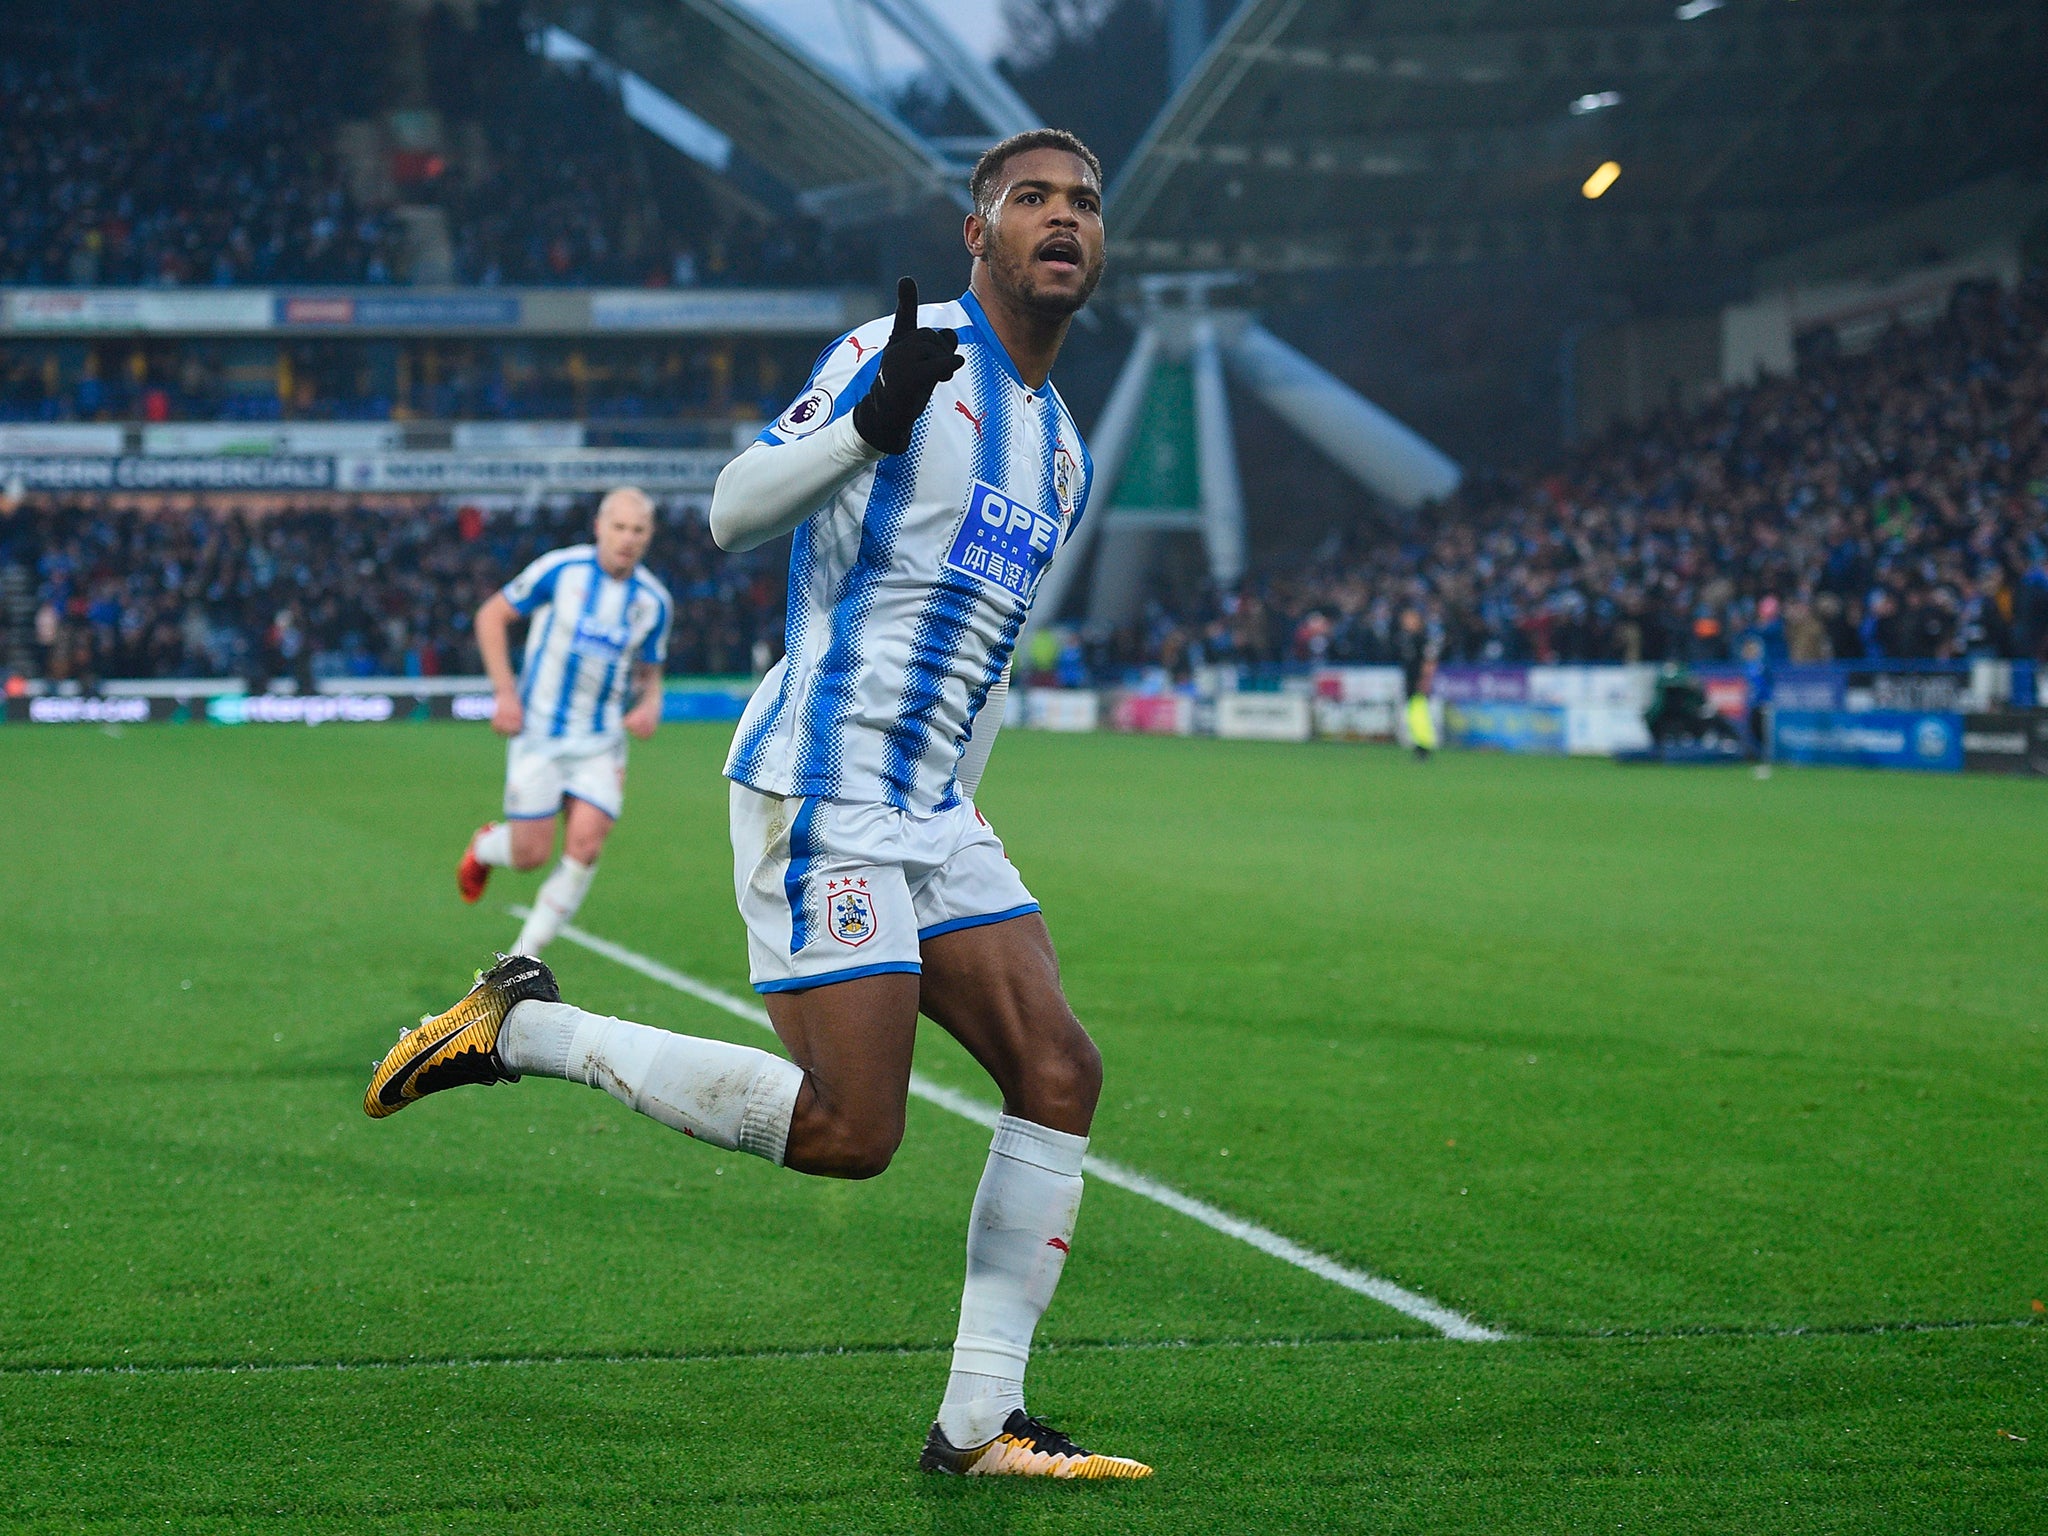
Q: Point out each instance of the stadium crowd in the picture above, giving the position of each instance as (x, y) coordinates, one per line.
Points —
(308, 595)
(1888, 504)
(186, 143)
(1891, 504)
(139, 150)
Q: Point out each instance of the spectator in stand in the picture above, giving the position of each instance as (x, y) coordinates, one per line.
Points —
(1891, 504)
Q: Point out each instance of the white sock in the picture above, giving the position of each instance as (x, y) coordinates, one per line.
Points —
(732, 1096)
(493, 845)
(1017, 1243)
(553, 905)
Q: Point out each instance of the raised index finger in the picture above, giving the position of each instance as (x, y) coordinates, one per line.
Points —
(906, 307)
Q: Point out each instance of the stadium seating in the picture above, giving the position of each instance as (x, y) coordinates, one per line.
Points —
(317, 594)
(186, 143)
(1893, 503)
(146, 154)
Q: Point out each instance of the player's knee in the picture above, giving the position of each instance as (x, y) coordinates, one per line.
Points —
(845, 1146)
(866, 1152)
(870, 1163)
(1068, 1077)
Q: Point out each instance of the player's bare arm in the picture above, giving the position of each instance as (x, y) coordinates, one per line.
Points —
(493, 625)
(645, 714)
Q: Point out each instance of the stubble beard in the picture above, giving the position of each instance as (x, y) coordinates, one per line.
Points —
(1012, 274)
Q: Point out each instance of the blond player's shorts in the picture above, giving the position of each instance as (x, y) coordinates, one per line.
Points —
(537, 780)
(832, 890)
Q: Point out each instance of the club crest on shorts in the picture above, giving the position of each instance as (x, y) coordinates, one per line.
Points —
(849, 911)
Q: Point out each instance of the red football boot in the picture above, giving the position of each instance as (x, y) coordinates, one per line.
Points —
(472, 873)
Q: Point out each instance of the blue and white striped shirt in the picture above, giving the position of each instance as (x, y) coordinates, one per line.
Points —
(585, 634)
(908, 589)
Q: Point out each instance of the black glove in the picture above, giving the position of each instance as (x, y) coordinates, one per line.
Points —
(913, 364)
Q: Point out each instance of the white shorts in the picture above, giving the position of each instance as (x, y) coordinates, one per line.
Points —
(831, 890)
(536, 780)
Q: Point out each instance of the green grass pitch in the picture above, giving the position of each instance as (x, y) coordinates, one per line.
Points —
(1723, 1097)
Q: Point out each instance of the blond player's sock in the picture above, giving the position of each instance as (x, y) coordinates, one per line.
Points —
(493, 845)
(1017, 1241)
(553, 905)
(732, 1096)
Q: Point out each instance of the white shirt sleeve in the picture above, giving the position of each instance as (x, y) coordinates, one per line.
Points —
(536, 584)
(772, 487)
(982, 740)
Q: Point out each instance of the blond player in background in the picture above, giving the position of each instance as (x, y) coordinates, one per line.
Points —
(597, 634)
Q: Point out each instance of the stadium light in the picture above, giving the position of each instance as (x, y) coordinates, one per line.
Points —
(1608, 173)
(1594, 101)
(1693, 10)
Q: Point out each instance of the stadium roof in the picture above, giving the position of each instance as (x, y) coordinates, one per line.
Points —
(836, 154)
(1329, 133)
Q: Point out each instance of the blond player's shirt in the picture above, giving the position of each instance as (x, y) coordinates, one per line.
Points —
(586, 631)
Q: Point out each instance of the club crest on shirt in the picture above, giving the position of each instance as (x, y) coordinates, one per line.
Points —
(807, 412)
(849, 911)
(1066, 482)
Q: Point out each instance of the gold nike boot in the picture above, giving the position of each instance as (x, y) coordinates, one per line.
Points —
(1027, 1447)
(461, 1045)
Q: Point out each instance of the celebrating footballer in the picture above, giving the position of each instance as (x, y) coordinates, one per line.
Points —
(929, 473)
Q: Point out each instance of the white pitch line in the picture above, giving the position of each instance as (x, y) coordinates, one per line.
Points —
(1452, 1325)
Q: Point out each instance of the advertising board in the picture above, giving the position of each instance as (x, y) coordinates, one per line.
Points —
(178, 472)
(679, 704)
(138, 309)
(1601, 730)
(1924, 689)
(74, 437)
(569, 469)
(398, 311)
(1626, 688)
(1063, 709)
(1923, 741)
(2010, 741)
(1263, 716)
(1359, 720)
(1482, 685)
(1152, 714)
(796, 311)
(1807, 688)
(1727, 691)
(1506, 727)
(1359, 685)
(248, 709)
(264, 438)
(514, 436)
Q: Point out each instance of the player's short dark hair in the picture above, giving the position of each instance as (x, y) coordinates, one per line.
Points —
(988, 170)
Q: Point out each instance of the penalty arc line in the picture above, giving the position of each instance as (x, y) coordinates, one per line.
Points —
(1452, 1325)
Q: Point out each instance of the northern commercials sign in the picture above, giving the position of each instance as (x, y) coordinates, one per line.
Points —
(434, 311)
(574, 470)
